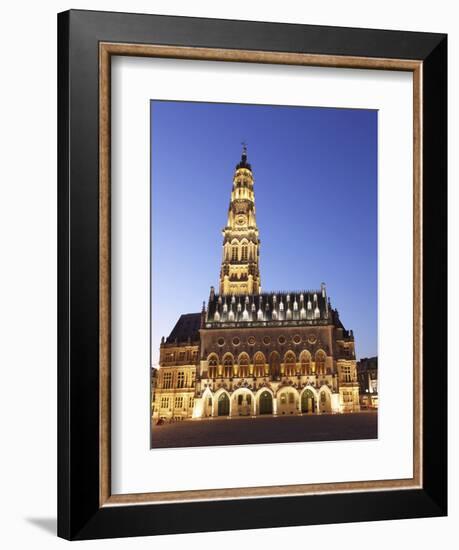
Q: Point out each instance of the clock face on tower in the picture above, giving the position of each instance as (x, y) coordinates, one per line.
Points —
(240, 220)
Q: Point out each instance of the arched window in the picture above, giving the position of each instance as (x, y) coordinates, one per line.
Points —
(305, 360)
(212, 362)
(274, 364)
(290, 363)
(320, 362)
(228, 366)
(244, 252)
(243, 365)
(259, 364)
(234, 250)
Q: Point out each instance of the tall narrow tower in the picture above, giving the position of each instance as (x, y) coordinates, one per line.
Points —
(240, 273)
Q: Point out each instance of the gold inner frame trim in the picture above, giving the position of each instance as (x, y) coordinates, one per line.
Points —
(106, 51)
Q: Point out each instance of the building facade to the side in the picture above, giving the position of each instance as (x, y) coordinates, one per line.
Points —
(248, 352)
(367, 375)
(174, 383)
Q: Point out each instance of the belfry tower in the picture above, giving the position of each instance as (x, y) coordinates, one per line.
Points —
(240, 273)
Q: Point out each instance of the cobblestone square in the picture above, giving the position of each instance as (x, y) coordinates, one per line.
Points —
(266, 429)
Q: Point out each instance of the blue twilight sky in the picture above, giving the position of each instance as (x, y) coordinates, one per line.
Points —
(315, 173)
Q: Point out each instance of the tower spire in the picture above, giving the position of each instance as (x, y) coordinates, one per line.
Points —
(240, 272)
(243, 163)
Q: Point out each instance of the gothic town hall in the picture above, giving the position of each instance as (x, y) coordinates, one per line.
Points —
(250, 352)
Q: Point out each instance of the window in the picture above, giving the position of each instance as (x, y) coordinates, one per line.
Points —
(169, 357)
(347, 396)
(346, 373)
(274, 364)
(291, 398)
(320, 362)
(228, 366)
(239, 399)
(249, 400)
(181, 356)
(190, 402)
(212, 362)
(244, 253)
(179, 402)
(305, 363)
(234, 253)
(164, 402)
(290, 364)
(180, 379)
(259, 364)
(167, 380)
(209, 401)
(243, 366)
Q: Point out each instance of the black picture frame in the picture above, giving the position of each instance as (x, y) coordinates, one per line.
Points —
(80, 515)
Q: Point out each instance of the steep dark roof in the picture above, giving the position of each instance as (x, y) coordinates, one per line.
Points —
(187, 327)
(310, 306)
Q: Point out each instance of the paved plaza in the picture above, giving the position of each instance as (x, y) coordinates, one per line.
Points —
(266, 429)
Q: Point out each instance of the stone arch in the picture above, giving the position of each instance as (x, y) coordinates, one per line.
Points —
(262, 403)
(217, 398)
(319, 359)
(305, 362)
(312, 389)
(324, 396)
(308, 400)
(243, 402)
(288, 400)
(259, 364)
(207, 403)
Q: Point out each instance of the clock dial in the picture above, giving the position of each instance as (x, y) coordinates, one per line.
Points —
(240, 220)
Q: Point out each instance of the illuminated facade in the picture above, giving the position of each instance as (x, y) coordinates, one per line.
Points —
(249, 352)
(367, 375)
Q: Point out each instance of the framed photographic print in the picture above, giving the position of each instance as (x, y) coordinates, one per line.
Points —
(252, 274)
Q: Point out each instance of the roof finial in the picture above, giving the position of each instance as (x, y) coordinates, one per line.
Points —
(243, 162)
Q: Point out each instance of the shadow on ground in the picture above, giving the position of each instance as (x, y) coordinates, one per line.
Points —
(45, 524)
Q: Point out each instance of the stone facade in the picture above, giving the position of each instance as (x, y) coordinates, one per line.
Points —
(250, 353)
(367, 375)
